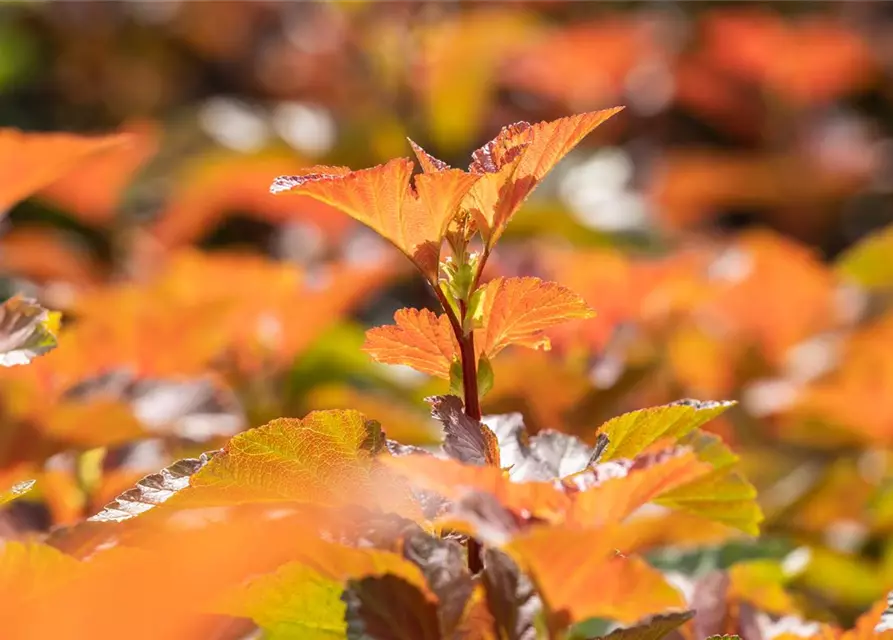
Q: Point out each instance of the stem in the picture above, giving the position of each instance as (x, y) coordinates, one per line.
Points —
(469, 372)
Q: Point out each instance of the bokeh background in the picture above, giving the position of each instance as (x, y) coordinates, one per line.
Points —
(728, 227)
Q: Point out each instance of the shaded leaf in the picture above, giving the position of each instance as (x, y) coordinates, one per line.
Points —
(546, 456)
(653, 628)
(511, 597)
(16, 490)
(443, 564)
(27, 330)
(419, 339)
(389, 608)
(465, 439)
(518, 310)
(629, 434)
(153, 490)
(413, 217)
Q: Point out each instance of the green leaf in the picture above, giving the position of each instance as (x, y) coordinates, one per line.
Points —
(629, 434)
(724, 494)
(457, 385)
(868, 262)
(16, 490)
(294, 603)
(485, 376)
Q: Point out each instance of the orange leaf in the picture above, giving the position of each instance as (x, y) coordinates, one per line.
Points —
(453, 480)
(616, 498)
(31, 161)
(419, 339)
(413, 217)
(580, 576)
(93, 189)
(513, 163)
(517, 310)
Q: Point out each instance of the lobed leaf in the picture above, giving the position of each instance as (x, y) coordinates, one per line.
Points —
(413, 218)
(314, 458)
(27, 330)
(518, 310)
(723, 494)
(629, 434)
(419, 339)
(513, 164)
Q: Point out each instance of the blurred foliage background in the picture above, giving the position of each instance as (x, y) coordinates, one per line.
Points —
(729, 227)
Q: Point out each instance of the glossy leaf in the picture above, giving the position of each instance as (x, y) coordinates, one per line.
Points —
(518, 310)
(465, 439)
(153, 490)
(419, 339)
(413, 217)
(15, 491)
(629, 434)
(27, 330)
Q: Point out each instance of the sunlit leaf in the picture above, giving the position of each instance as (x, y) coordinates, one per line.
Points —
(513, 163)
(414, 217)
(629, 434)
(29, 568)
(27, 330)
(16, 490)
(153, 490)
(31, 161)
(454, 480)
(465, 439)
(648, 478)
(92, 190)
(314, 458)
(518, 310)
(723, 494)
(419, 339)
(604, 584)
(867, 262)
